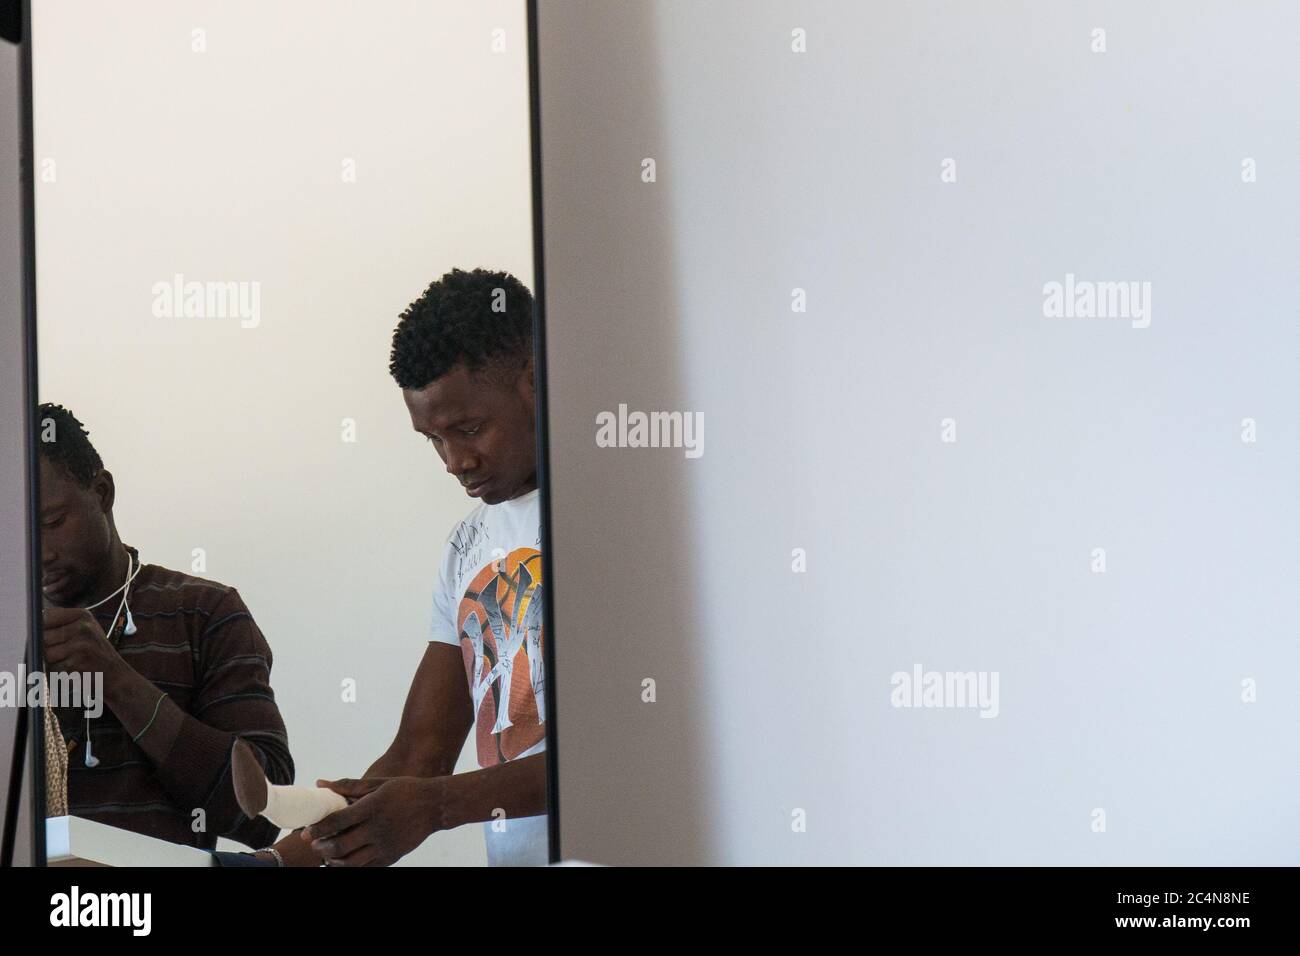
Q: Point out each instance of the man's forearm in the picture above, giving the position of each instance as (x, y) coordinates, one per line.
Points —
(190, 757)
(432, 755)
(152, 721)
(517, 788)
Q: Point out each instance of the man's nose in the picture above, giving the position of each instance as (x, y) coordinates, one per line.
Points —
(459, 462)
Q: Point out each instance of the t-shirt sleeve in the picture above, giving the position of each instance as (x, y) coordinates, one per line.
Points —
(442, 617)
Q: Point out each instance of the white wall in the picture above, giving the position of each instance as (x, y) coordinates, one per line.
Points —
(821, 170)
(228, 165)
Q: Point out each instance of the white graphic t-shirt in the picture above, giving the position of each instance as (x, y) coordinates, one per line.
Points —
(488, 601)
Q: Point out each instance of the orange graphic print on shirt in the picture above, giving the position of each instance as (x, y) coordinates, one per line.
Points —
(500, 627)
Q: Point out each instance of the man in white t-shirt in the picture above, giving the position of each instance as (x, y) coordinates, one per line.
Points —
(463, 357)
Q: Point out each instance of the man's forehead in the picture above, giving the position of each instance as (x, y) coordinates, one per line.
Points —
(445, 417)
(56, 485)
(445, 401)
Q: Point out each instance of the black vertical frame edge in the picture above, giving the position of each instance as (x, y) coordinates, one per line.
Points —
(12, 16)
(35, 653)
(543, 443)
(35, 646)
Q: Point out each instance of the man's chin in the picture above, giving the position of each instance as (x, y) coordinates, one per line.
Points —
(493, 492)
(494, 496)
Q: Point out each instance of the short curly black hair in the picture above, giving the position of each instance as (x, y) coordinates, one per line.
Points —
(481, 319)
(64, 441)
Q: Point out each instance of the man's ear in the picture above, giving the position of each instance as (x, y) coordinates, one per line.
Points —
(105, 490)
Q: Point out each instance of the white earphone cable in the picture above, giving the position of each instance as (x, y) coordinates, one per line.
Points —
(127, 583)
(90, 759)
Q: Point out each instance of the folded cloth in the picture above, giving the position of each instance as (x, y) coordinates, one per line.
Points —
(287, 807)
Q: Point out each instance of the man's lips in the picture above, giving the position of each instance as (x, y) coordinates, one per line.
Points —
(54, 583)
(474, 489)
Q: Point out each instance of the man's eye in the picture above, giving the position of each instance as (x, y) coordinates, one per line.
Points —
(471, 431)
(53, 522)
(432, 438)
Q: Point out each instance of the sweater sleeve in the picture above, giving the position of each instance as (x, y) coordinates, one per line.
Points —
(232, 699)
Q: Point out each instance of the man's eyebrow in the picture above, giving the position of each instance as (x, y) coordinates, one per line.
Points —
(461, 419)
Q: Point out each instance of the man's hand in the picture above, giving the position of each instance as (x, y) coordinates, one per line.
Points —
(74, 641)
(389, 818)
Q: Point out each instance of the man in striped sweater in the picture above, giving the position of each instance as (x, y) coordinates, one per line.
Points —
(185, 669)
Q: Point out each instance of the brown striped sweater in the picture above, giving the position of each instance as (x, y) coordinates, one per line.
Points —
(195, 640)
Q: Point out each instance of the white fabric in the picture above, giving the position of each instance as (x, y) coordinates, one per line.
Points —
(290, 807)
(488, 601)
